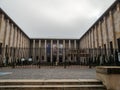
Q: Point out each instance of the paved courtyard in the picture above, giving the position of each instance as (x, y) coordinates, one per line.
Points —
(71, 72)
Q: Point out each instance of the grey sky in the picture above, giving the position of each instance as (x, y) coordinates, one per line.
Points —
(55, 18)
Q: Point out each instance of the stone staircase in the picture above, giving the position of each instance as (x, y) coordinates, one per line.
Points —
(55, 84)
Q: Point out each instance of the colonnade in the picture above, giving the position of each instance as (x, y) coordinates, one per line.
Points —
(66, 46)
(13, 41)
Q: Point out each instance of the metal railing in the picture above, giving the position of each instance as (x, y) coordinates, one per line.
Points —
(58, 57)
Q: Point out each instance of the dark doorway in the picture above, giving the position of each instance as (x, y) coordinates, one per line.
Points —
(111, 47)
(105, 49)
(118, 42)
(6, 50)
(0, 48)
(48, 58)
(60, 58)
(54, 58)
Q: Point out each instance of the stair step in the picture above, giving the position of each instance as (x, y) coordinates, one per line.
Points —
(52, 82)
(53, 87)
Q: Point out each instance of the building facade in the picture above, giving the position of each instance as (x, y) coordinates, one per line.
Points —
(13, 40)
(103, 37)
(105, 32)
(53, 50)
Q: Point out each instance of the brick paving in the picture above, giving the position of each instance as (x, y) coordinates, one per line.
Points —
(47, 72)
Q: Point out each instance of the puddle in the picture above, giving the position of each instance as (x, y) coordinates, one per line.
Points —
(5, 73)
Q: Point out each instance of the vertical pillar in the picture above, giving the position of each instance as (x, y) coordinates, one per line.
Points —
(97, 39)
(51, 51)
(1, 22)
(16, 49)
(20, 44)
(10, 34)
(4, 41)
(57, 50)
(118, 7)
(107, 36)
(93, 45)
(11, 25)
(13, 41)
(113, 30)
(33, 50)
(69, 46)
(39, 48)
(45, 50)
(1, 18)
(90, 40)
(75, 50)
(64, 50)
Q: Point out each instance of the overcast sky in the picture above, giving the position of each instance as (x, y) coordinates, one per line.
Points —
(55, 18)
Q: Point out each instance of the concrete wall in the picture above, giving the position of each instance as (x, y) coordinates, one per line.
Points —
(105, 30)
(11, 36)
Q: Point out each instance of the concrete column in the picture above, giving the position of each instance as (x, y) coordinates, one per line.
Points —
(16, 38)
(93, 51)
(4, 44)
(93, 38)
(75, 47)
(107, 36)
(113, 28)
(51, 50)
(23, 44)
(39, 46)
(57, 50)
(11, 25)
(1, 17)
(89, 40)
(75, 44)
(1, 22)
(33, 50)
(100, 24)
(16, 49)
(97, 38)
(5, 32)
(118, 7)
(13, 41)
(63, 50)
(69, 46)
(20, 43)
(45, 50)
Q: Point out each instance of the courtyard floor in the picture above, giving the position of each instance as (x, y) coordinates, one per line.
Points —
(47, 72)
